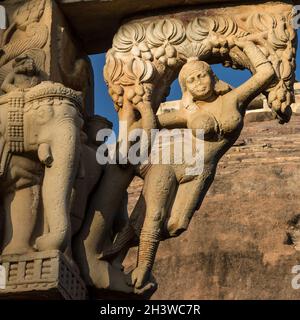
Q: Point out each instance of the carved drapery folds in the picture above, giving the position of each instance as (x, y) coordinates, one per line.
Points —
(147, 55)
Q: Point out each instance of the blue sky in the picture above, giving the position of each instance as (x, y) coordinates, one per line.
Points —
(104, 104)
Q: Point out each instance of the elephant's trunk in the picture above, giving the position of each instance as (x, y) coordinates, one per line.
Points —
(57, 186)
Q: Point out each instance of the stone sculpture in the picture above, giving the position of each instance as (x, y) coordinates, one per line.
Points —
(221, 118)
(146, 55)
(145, 58)
(90, 171)
(23, 76)
(26, 34)
(73, 209)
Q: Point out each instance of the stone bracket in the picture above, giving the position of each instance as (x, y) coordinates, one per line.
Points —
(147, 54)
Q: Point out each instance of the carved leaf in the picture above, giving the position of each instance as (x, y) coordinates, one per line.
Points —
(199, 28)
(165, 31)
(226, 26)
(113, 69)
(128, 37)
(138, 70)
(261, 22)
(193, 49)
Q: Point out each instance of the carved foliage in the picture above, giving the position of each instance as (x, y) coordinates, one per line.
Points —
(277, 40)
(163, 36)
(143, 53)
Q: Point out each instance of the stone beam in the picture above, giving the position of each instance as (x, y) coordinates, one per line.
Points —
(101, 18)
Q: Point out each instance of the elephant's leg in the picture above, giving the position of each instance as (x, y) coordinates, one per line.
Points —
(160, 184)
(20, 220)
(57, 187)
(96, 231)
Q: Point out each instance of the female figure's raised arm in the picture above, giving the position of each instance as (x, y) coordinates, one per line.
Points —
(264, 75)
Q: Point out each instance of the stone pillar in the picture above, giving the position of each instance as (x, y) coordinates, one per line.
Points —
(38, 35)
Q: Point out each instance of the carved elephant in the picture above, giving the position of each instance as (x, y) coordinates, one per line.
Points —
(39, 151)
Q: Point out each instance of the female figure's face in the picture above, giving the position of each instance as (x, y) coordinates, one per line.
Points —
(200, 85)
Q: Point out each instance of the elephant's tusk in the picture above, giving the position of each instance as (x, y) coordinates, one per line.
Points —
(45, 155)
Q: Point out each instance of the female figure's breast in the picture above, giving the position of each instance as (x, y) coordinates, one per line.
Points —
(230, 122)
(205, 121)
(229, 117)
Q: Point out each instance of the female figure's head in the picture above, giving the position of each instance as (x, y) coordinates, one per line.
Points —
(196, 77)
(198, 81)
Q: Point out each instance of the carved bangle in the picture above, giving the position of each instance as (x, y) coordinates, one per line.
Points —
(147, 252)
(149, 242)
(151, 235)
(263, 62)
(257, 55)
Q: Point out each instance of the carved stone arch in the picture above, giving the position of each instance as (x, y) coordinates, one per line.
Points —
(147, 54)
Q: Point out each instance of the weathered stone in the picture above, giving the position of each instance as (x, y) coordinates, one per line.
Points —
(38, 28)
(68, 202)
(237, 245)
(106, 16)
(146, 56)
(41, 275)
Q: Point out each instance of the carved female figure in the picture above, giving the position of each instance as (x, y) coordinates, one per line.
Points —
(221, 118)
(24, 75)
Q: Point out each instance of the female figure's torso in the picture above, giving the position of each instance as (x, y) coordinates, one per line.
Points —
(220, 122)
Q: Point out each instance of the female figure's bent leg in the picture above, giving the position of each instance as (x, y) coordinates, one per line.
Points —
(160, 184)
(188, 199)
